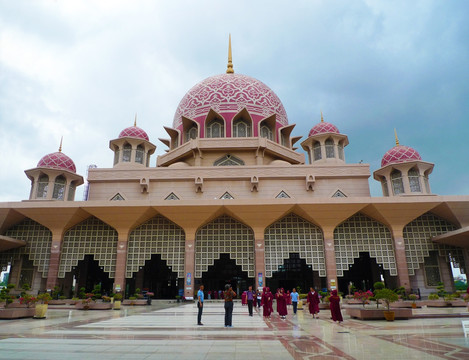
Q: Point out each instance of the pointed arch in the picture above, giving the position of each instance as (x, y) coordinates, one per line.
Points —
(90, 237)
(282, 195)
(156, 236)
(242, 124)
(293, 234)
(215, 126)
(361, 233)
(228, 160)
(224, 235)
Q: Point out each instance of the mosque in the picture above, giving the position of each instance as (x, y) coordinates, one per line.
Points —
(232, 200)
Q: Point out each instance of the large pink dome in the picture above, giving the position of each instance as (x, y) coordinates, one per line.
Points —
(135, 132)
(400, 154)
(322, 128)
(57, 160)
(228, 94)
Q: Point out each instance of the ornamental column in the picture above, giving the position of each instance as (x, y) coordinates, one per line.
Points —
(259, 257)
(189, 264)
(329, 254)
(54, 260)
(121, 260)
(401, 260)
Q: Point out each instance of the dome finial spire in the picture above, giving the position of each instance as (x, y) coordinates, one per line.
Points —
(229, 69)
(322, 118)
(60, 146)
(135, 121)
(395, 134)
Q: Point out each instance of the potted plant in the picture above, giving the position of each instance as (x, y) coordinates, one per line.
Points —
(117, 301)
(388, 296)
(28, 300)
(363, 296)
(42, 305)
(413, 297)
(149, 295)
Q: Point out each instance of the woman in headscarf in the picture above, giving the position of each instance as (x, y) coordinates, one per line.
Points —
(334, 301)
(282, 303)
(313, 301)
(266, 302)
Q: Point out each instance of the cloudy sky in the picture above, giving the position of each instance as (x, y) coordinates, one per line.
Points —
(82, 69)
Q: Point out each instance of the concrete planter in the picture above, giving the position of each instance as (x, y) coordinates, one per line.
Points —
(94, 306)
(436, 303)
(16, 313)
(378, 314)
(57, 302)
(406, 304)
(134, 302)
(458, 303)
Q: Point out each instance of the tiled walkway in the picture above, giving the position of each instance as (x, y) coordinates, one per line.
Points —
(166, 331)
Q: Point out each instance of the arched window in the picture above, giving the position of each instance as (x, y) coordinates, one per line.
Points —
(116, 156)
(330, 148)
(414, 180)
(191, 133)
(317, 151)
(139, 154)
(59, 188)
(397, 184)
(228, 160)
(215, 129)
(340, 149)
(127, 153)
(266, 132)
(42, 186)
(71, 192)
(241, 128)
(384, 184)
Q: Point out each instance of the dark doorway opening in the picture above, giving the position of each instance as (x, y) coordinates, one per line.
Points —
(88, 273)
(156, 277)
(363, 273)
(225, 271)
(295, 273)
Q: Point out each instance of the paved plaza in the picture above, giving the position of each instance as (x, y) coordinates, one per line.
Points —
(169, 331)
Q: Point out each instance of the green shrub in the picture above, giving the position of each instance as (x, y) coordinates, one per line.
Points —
(387, 295)
(433, 296)
(379, 285)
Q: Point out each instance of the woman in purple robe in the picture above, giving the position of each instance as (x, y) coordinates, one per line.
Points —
(266, 302)
(313, 301)
(282, 303)
(334, 301)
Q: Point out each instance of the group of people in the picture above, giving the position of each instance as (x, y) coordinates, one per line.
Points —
(266, 299)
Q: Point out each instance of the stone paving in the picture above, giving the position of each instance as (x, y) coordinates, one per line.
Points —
(169, 331)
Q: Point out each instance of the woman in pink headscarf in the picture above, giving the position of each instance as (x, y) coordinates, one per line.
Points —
(282, 303)
(313, 301)
(334, 301)
(266, 302)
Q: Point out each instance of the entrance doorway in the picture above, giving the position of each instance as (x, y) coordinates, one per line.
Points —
(295, 273)
(156, 277)
(88, 273)
(363, 273)
(225, 271)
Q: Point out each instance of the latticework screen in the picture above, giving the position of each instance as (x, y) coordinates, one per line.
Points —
(157, 236)
(90, 237)
(292, 234)
(418, 243)
(224, 235)
(38, 239)
(363, 234)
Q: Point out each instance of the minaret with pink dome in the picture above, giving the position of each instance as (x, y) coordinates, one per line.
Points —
(54, 178)
(325, 144)
(132, 148)
(403, 172)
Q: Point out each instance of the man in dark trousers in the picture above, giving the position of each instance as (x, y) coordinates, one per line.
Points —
(200, 304)
(250, 297)
(229, 295)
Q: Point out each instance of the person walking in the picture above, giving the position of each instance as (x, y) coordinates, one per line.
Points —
(282, 303)
(259, 299)
(250, 296)
(228, 295)
(294, 300)
(200, 304)
(334, 301)
(313, 301)
(267, 299)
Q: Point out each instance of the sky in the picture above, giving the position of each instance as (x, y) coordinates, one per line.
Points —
(83, 69)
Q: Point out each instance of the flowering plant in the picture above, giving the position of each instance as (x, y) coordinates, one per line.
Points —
(44, 298)
(28, 300)
(150, 294)
(363, 296)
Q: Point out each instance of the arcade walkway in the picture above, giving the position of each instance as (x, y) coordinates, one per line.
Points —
(167, 331)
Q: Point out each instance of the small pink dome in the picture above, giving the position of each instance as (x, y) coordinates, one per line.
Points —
(57, 160)
(400, 154)
(135, 132)
(322, 128)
